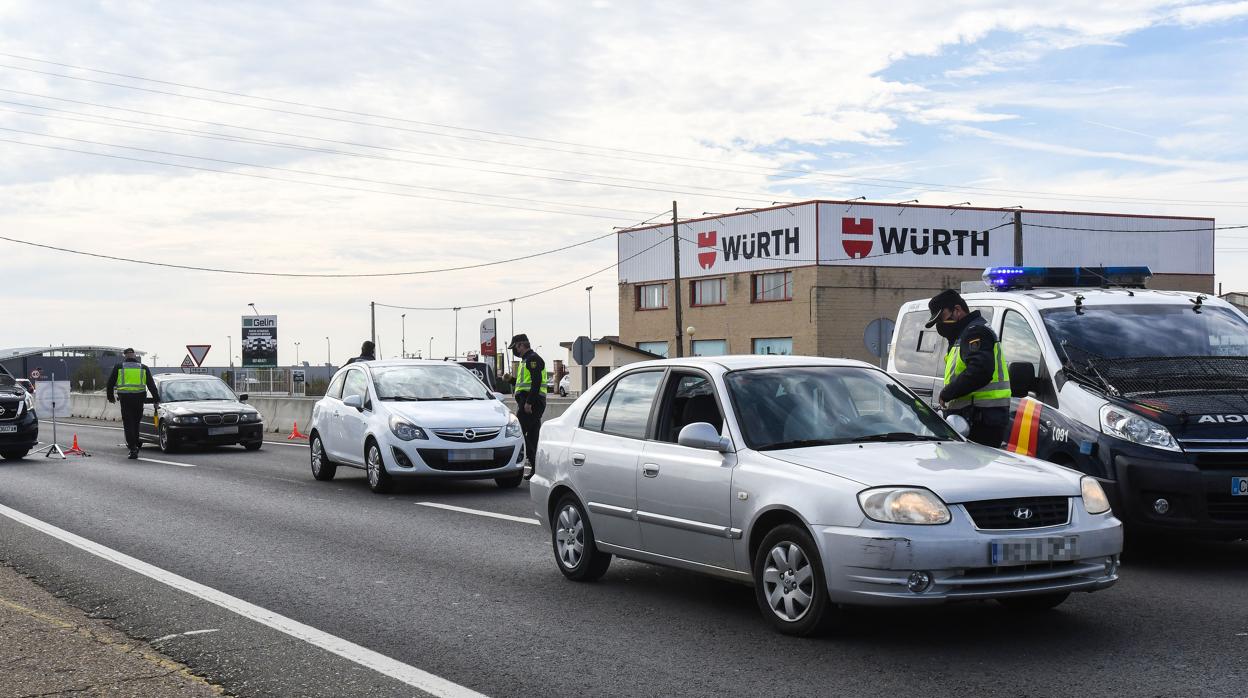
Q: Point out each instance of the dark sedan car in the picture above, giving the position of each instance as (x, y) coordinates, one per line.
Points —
(200, 410)
(19, 425)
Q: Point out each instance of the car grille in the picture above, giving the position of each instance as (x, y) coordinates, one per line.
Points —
(1227, 507)
(212, 419)
(463, 435)
(999, 514)
(8, 410)
(436, 458)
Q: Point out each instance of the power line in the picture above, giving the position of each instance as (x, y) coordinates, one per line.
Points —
(861, 181)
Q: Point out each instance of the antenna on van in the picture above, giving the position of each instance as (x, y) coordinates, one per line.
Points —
(1078, 304)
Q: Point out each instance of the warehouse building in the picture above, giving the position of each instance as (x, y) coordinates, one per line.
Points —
(826, 278)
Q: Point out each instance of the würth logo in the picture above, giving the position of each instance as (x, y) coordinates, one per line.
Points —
(706, 248)
(857, 237)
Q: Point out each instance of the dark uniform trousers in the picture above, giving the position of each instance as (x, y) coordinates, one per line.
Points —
(530, 423)
(988, 424)
(131, 414)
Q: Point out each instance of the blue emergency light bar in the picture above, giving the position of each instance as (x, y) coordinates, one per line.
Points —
(1008, 278)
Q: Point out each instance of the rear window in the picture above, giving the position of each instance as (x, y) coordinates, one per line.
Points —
(920, 350)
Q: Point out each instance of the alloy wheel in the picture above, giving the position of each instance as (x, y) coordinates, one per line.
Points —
(318, 455)
(374, 465)
(570, 536)
(788, 581)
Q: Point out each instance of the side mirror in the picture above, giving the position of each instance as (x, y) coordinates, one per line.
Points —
(354, 401)
(703, 435)
(498, 396)
(242, 398)
(1022, 378)
(959, 424)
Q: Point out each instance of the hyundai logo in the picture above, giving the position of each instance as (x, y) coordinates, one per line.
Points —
(470, 435)
(1022, 513)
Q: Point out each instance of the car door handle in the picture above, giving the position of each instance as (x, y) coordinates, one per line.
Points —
(578, 459)
(650, 469)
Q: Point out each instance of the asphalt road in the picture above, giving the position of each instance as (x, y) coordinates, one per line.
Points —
(477, 600)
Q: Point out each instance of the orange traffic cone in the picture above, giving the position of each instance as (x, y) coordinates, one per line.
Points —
(294, 433)
(74, 450)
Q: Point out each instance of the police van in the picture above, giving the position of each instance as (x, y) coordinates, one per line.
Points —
(1146, 390)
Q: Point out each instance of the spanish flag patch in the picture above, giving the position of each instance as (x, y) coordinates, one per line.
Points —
(1025, 431)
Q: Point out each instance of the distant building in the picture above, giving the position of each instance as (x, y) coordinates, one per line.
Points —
(609, 354)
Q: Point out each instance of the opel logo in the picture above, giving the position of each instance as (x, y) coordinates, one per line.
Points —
(1022, 513)
(471, 435)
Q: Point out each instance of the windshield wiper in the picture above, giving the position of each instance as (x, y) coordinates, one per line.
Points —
(898, 436)
(402, 398)
(800, 443)
(456, 397)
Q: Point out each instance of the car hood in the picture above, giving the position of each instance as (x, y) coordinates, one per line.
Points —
(955, 471)
(451, 414)
(206, 407)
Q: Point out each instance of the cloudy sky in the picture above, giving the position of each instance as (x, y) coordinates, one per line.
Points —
(381, 137)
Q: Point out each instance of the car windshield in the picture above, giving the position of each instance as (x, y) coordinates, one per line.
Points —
(428, 382)
(796, 407)
(182, 391)
(1137, 330)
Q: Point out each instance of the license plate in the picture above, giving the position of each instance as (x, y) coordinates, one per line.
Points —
(221, 431)
(1239, 486)
(470, 454)
(1024, 551)
(8, 428)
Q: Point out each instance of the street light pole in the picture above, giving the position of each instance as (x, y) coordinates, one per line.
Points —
(590, 300)
(513, 316)
(253, 309)
(230, 347)
(329, 354)
(430, 348)
(403, 341)
(456, 333)
(296, 353)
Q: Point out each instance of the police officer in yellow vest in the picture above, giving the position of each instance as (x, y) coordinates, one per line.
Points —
(530, 394)
(130, 381)
(977, 381)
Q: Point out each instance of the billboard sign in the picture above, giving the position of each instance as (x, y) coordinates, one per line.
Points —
(259, 341)
(489, 337)
(915, 236)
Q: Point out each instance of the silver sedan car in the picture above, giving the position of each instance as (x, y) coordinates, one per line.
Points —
(820, 482)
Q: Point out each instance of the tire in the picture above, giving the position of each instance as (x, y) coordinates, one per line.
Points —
(322, 467)
(253, 445)
(508, 483)
(1034, 604)
(378, 479)
(13, 455)
(563, 393)
(572, 539)
(162, 439)
(789, 583)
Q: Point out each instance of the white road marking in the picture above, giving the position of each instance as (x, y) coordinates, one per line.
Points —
(418, 678)
(168, 462)
(478, 512)
(185, 634)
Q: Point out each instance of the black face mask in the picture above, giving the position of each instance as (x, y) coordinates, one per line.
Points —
(948, 330)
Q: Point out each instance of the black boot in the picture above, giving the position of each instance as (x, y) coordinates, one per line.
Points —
(134, 454)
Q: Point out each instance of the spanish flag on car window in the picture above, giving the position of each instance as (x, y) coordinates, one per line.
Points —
(1025, 430)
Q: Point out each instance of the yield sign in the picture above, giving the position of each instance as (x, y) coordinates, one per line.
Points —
(198, 352)
(188, 362)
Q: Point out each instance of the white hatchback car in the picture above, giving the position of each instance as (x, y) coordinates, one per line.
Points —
(414, 419)
(820, 482)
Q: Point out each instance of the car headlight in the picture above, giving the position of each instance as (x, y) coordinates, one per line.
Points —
(405, 430)
(1129, 426)
(185, 419)
(513, 427)
(903, 505)
(1094, 499)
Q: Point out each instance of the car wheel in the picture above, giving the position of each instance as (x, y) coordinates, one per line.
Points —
(13, 455)
(789, 584)
(322, 467)
(1034, 604)
(378, 478)
(508, 483)
(563, 393)
(253, 445)
(166, 443)
(577, 555)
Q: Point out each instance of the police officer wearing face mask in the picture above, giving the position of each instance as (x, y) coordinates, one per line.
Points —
(977, 381)
(530, 394)
(130, 381)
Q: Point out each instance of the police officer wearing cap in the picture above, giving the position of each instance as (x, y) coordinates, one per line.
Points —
(977, 381)
(530, 395)
(130, 381)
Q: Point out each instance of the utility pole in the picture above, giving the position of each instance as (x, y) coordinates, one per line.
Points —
(403, 339)
(513, 316)
(680, 342)
(1018, 238)
(372, 311)
(589, 296)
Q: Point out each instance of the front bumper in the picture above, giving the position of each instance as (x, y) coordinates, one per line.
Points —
(430, 458)
(26, 436)
(1196, 487)
(870, 565)
(198, 434)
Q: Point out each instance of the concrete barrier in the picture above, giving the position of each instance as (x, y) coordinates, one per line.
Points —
(280, 413)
